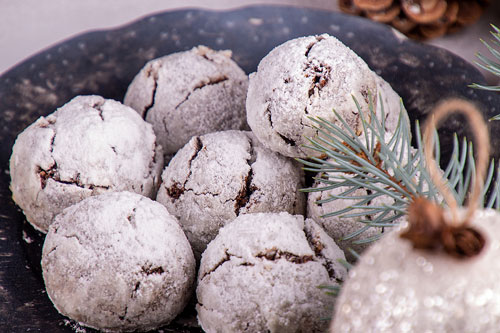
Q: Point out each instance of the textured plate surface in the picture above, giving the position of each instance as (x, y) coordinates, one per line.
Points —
(104, 63)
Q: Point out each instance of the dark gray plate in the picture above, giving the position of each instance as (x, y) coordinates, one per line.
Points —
(104, 63)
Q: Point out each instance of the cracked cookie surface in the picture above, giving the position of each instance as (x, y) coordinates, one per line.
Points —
(309, 77)
(262, 272)
(88, 146)
(190, 93)
(219, 176)
(118, 261)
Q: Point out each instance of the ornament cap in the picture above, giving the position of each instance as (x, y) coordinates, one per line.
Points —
(429, 227)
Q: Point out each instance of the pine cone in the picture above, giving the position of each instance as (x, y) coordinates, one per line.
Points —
(420, 19)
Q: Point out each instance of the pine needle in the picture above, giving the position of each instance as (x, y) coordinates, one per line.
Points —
(490, 65)
(385, 166)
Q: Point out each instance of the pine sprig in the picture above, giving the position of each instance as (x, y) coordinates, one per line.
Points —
(330, 289)
(492, 66)
(385, 164)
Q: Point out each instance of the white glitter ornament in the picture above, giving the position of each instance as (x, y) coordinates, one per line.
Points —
(395, 288)
(447, 280)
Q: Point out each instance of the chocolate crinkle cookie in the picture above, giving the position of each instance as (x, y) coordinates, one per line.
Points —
(118, 262)
(88, 146)
(309, 77)
(190, 93)
(219, 176)
(262, 272)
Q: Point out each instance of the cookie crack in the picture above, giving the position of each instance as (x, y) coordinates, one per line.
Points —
(49, 173)
(246, 191)
(365, 92)
(52, 250)
(273, 254)
(131, 218)
(204, 193)
(52, 141)
(150, 270)
(124, 315)
(153, 97)
(46, 174)
(227, 257)
(165, 126)
(177, 189)
(75, 236)
(210, 82)
(78, 184)
(52, 173)
(287, 140)
(135, 290)
(152, 163)
(320, 75)
(311, 45)
(317, 246)
(98, 107)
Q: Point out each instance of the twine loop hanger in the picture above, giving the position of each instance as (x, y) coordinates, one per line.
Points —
(429, 227)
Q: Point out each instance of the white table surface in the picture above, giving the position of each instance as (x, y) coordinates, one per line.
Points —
(29, 26)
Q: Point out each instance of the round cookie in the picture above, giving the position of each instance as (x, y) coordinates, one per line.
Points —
(309, 77)
(262, 272)
(118, 262)
(218, 176)
(88, 146)
(190, 93)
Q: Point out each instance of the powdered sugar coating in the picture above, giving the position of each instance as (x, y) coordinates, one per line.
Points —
(262, 272)
(190, 93)
(89, 146)
(218, 176)
(118, 262)
(302, 78)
